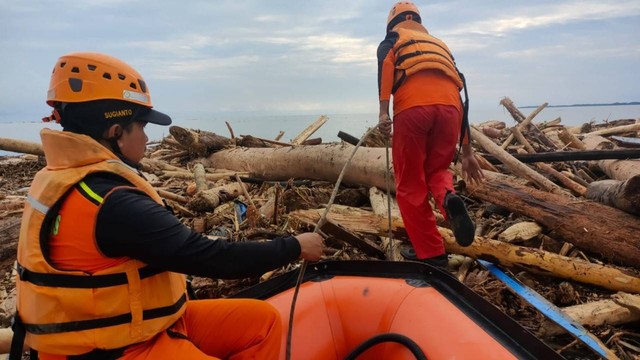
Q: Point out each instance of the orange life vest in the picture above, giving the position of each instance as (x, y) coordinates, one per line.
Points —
(72, 312)
(417, 50)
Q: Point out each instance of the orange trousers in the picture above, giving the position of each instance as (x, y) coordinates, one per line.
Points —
(234, 329)
(424, 143)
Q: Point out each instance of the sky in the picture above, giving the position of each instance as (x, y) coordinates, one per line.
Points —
(203, 57)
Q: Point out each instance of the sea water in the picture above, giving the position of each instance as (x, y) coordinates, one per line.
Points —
(269, 126)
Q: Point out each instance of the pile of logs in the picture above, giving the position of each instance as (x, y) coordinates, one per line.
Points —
(559, 208)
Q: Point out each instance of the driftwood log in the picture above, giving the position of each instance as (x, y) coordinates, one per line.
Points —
(544, 263)
(317, 162)
(615, 130)
(306, 133)
(599, 229)
(208, 200)
(513, 164)
(526, 121)
(523, 124)
(555, 156)
(21, 146)
(379, 203)
(622, 308)
(615, 169)
(570, 139)
(198, 143)
(252, 141)
(340, 225)
(624, 195)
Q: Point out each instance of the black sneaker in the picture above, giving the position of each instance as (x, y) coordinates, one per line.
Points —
(441, 261)
(408, 253)
(463, 228)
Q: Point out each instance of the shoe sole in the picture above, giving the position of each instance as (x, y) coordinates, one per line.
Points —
(461, 224)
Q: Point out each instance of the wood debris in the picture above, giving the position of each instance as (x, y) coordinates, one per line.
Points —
(559, 209)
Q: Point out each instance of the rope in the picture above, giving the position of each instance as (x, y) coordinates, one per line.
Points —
(388, 176)
(388, 337)
(319, 225)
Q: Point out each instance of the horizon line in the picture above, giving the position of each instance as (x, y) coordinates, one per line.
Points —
(585, 105)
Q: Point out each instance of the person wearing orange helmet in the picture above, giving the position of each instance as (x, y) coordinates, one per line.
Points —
(418, 70)
(101, 258)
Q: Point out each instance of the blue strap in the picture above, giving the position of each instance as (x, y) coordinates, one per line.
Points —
(547, 308)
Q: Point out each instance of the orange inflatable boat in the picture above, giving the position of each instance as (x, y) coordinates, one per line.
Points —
(392, 310)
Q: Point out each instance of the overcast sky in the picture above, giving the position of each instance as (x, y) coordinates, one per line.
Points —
(319, 57)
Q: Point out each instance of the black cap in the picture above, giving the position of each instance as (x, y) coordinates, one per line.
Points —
(155, 117)
(94, 117)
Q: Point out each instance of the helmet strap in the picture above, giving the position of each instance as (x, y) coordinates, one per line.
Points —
(113, 142)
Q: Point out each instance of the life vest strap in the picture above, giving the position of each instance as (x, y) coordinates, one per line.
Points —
(80, 281)
(149, 314)
(464, 126)
(17, 341)
(404, 57)
(414, 41)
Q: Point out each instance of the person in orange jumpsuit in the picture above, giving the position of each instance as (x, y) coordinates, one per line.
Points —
(101, 258)
(419, 71)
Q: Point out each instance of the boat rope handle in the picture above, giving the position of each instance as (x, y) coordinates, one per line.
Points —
(388, 337)
(319, 225)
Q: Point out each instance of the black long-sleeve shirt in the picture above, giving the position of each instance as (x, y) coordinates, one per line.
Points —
(130, 223)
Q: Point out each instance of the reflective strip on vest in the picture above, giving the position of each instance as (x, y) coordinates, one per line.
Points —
(37, 205)
(90, 192)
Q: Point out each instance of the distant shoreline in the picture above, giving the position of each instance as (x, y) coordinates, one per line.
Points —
(584, 105)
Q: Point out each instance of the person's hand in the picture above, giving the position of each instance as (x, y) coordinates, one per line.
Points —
(311, 245)
(471, 170)
(384, 124)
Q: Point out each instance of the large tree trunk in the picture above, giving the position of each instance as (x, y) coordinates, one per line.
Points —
(624, 195)
(599, 229)
(615, 169)
(317, 162)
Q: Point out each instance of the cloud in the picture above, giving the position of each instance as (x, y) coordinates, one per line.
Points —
(575, 51)
(548, 15)
(320, 56)
(209, 68)
(340, 49)
(182, 46)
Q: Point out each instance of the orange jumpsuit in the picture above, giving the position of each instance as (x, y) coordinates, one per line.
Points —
(426, 127)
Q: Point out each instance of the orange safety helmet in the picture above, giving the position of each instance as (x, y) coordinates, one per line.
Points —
(83, 77)
(402, 11)
(86, 76)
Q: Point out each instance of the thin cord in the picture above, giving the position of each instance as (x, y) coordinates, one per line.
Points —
(388, 173)
(319, 225)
